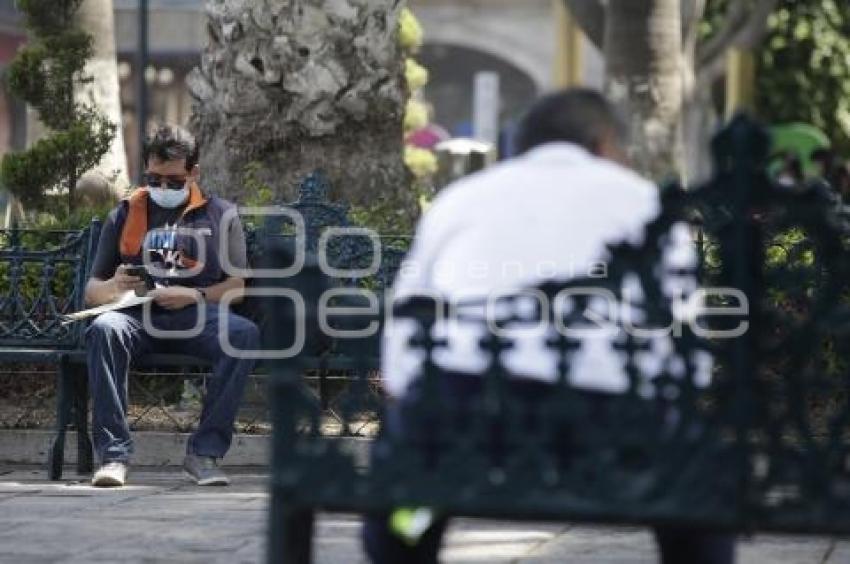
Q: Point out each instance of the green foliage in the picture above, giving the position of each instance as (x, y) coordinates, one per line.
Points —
(45, 74)
(789, 249)
(31, 283)
(715, 11)
(387, 217)
(384, 216)
(78, 219)
(804, 67)
(257, 192)
(44, 17)
(803, 64)
(51, 161)
(44, 232)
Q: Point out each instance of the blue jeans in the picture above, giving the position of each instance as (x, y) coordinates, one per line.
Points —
(116, 338)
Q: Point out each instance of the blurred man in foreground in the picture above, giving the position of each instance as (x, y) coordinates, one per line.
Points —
(549, 214)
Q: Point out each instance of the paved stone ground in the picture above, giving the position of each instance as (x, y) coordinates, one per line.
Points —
(162, 518)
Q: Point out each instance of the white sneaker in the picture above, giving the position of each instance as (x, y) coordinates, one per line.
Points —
(110, 475)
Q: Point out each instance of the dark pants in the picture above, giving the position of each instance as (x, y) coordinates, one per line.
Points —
(676, 545)
(114, 339)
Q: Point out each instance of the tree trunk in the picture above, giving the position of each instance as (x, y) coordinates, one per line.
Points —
(643, 52)
(699, 119)
(103, 92)
(290, 86)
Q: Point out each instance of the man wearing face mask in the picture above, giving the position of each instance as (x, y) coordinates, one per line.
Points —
(189, 242)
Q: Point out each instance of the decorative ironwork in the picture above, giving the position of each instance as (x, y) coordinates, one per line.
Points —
(763, 444)
(353, 248)
(42, 276)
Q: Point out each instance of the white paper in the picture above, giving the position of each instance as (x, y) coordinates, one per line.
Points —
(128, 299)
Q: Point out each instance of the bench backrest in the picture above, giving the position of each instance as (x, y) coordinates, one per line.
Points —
(764, 446)
(42, 276)
(347, 254)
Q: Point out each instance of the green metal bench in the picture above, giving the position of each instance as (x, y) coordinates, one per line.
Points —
(42, 276)
(31, 329)
(765, 446)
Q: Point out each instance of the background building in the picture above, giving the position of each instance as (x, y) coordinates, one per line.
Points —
(520, 41)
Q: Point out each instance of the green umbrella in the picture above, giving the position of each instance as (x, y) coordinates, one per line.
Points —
(800, 139)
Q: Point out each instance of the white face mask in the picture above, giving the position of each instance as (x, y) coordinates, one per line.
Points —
(168, 198)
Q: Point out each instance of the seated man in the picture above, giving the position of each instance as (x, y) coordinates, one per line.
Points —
(547, 215)
(175, 229)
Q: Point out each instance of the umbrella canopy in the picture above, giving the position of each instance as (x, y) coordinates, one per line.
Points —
(800, 139)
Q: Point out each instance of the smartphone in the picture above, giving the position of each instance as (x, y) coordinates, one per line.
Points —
(141, 272)
(137, 270)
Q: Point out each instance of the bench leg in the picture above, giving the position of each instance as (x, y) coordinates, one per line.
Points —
(56, 453)
(85, 462)
(290, 533)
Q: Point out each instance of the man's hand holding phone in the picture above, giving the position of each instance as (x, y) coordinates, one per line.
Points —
(130, 277)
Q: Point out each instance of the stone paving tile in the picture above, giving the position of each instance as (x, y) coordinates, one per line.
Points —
(339, 540)
(784, 550)
(597, 545)
(254, 551)
(840, 552)
(606, 545)
(162, 518)
(468, 541)
(485, 541)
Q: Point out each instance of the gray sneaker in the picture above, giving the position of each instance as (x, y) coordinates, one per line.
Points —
(204, 471)
(110, 475)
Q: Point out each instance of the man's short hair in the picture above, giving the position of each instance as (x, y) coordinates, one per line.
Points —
(169, 142)
(578, 115)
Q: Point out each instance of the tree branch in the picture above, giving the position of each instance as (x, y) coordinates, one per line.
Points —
(709, 73)
(756, 29)
(742, 28)
(734, 20)
(692, 13)
(590, 17)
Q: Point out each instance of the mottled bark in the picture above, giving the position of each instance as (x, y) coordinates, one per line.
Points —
(700, 118)
(295, 85)
(103, 92)
(643, 53)
(645, 65)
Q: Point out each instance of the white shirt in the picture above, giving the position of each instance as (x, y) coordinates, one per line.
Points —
(546, 215)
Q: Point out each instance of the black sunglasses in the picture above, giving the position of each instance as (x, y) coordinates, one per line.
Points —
(171, 182)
